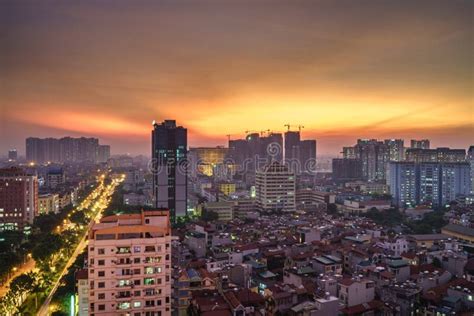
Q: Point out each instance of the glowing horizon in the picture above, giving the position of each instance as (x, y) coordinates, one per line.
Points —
(343, 71)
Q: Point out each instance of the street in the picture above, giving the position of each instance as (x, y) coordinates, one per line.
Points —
(100, 207)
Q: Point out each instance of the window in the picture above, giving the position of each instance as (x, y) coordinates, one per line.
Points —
(158, 302)
(136, 293)
(123, 305)
(101, 262)
(136, 271)
(167, 299)
(136, 248)
(136, 260)
(124, 283)
(149, 248)
(137, 304)
(101, 285)
(149, 303)
(101, 273)
(148, 281)
(101, 296)
(101, 307)
(123, 250)
(149, 270)
(101, 251)
(136, 282)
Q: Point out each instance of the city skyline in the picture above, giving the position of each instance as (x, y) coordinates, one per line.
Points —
(359, 74)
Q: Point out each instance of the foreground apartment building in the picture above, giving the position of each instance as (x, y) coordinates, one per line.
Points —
(129, 269)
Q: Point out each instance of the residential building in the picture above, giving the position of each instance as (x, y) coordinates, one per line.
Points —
(66, 149)
(396, 149)
(18, 199)
(356, 291)
(103, 153)
(223, 209)
(12, 155)
(82, 286)
(346, 169)
(48, 203)
(129, 265)
(420, 144)
(435, 155)
(434, 184)
(374, 156)
(275, 188)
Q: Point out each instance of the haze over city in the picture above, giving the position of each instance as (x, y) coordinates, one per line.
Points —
(342, 69)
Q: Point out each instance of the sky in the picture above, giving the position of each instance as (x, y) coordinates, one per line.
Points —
(343, 69)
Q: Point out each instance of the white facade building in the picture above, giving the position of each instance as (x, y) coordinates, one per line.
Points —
(275, 188)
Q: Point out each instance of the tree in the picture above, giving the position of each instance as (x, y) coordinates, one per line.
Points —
(78, 218)
(209, 216)
(47, 222)
(46, 248)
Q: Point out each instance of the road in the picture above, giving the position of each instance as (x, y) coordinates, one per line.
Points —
(44, 310)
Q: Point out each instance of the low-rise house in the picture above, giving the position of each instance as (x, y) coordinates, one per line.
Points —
(327, 264)
(400, 269)
(356, 291)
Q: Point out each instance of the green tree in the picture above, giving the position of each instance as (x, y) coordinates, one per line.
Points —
(209, 216)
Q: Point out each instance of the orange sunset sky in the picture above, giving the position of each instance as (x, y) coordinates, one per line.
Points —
(344, 69)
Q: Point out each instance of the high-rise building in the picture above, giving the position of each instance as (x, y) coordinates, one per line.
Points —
(66, 149)
(169, 152)
(420, 144)
(396, 149)
(403, 183)
(292, 142)
(18, 199)
(129, 269)
(300, 154)
(272, 147)
(374, 156)
(470, 155)
(428, 183)
(12, 155)
(204, 160)
(103, 153)
(346, 169)
(255, 151)
(275, 187)
(307, 156)
(349, 152)
(436, 155)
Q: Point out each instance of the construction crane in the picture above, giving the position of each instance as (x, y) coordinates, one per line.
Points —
(250, 131)
(288, 126)
(228, 137)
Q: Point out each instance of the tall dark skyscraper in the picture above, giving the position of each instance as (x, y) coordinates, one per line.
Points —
(169, 151)
(292, 142)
